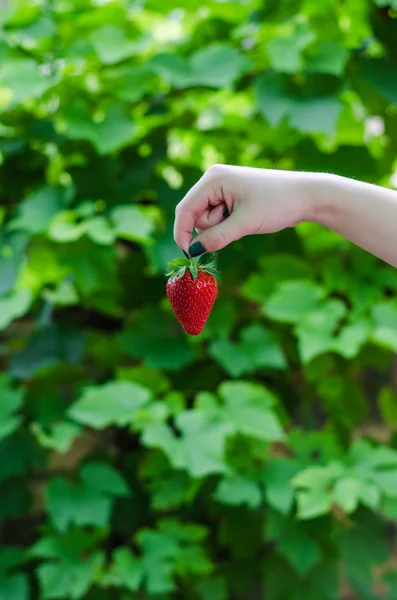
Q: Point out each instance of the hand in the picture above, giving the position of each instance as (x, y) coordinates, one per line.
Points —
(228, 203)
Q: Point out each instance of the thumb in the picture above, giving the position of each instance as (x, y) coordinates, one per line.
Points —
(217, 237)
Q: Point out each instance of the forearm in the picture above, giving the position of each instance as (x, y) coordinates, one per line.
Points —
(363, 213)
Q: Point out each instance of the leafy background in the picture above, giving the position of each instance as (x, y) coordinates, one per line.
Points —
(258, 460)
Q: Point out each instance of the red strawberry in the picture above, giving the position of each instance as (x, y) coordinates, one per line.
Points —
(192, 290)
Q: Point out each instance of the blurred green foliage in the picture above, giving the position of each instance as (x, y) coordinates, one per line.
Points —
(258, 460)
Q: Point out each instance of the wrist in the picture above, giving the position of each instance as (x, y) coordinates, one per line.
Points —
(321, 192)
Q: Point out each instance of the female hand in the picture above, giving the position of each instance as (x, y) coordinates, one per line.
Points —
(229, 202)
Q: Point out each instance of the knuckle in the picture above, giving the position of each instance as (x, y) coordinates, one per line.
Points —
(178, 208)
(214, 172)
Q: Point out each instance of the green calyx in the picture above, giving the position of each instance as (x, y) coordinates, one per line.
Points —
(178, 267)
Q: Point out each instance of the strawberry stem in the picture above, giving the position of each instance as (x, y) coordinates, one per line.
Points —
(206, 262)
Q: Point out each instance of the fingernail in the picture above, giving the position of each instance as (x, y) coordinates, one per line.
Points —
(196, 249)
(225, 212)
(186, 254)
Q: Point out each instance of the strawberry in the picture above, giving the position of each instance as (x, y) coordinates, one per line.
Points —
(192, 290)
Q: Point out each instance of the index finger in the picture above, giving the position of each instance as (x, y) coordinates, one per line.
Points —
(193, 205)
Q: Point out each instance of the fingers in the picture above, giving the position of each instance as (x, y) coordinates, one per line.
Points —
(217, 237)
(194, 204)
(211, 217)
(197, 206)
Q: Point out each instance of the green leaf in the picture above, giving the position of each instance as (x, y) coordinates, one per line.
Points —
(383, 3)
(194, 271)
(151, 378)
(314, 483)
(370, 495)
(43, 267)
(386, 482)
(315, 331)
(60, 436)
(111, 133)
(231, 391)
(55, 582)
(387, 403)
(313, 503)
(70, 504)
(160, 435)
(329, 57)
(99, 230)
(279, 492)
(276, 268)
(48, 347)
(103, 478)
(35, 34)
(386, 337)
(155, 338)
(14, 586)
(205, 434)
(351, 339)
(37, 210)
(313, 114)
(236, 490)
(384, 316)
(379, 74)
(258, 349)
(111, 44)
(285, 54)
(11, 401)
(131, 84)
(69, 580)
(217, 65)
(158, 562)
(317, 115)
(208, 258)
(232, 357)
(262, 348)
(363, 548)
(174, 548)
(293, 300)
(172, 67)
(177, 263)
(126, 569)
(171, 490)
(132, 223)
(91, 265)
(247, 407)
(64, 294)
(319, 475)
(346, 493)
(114, 403)
(11, 260)
(13, 306)
(301, 551)
(23, 78)
(68, 547)
(274, 101)
(64, 227)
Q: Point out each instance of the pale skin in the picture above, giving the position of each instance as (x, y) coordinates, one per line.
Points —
(230, 202)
